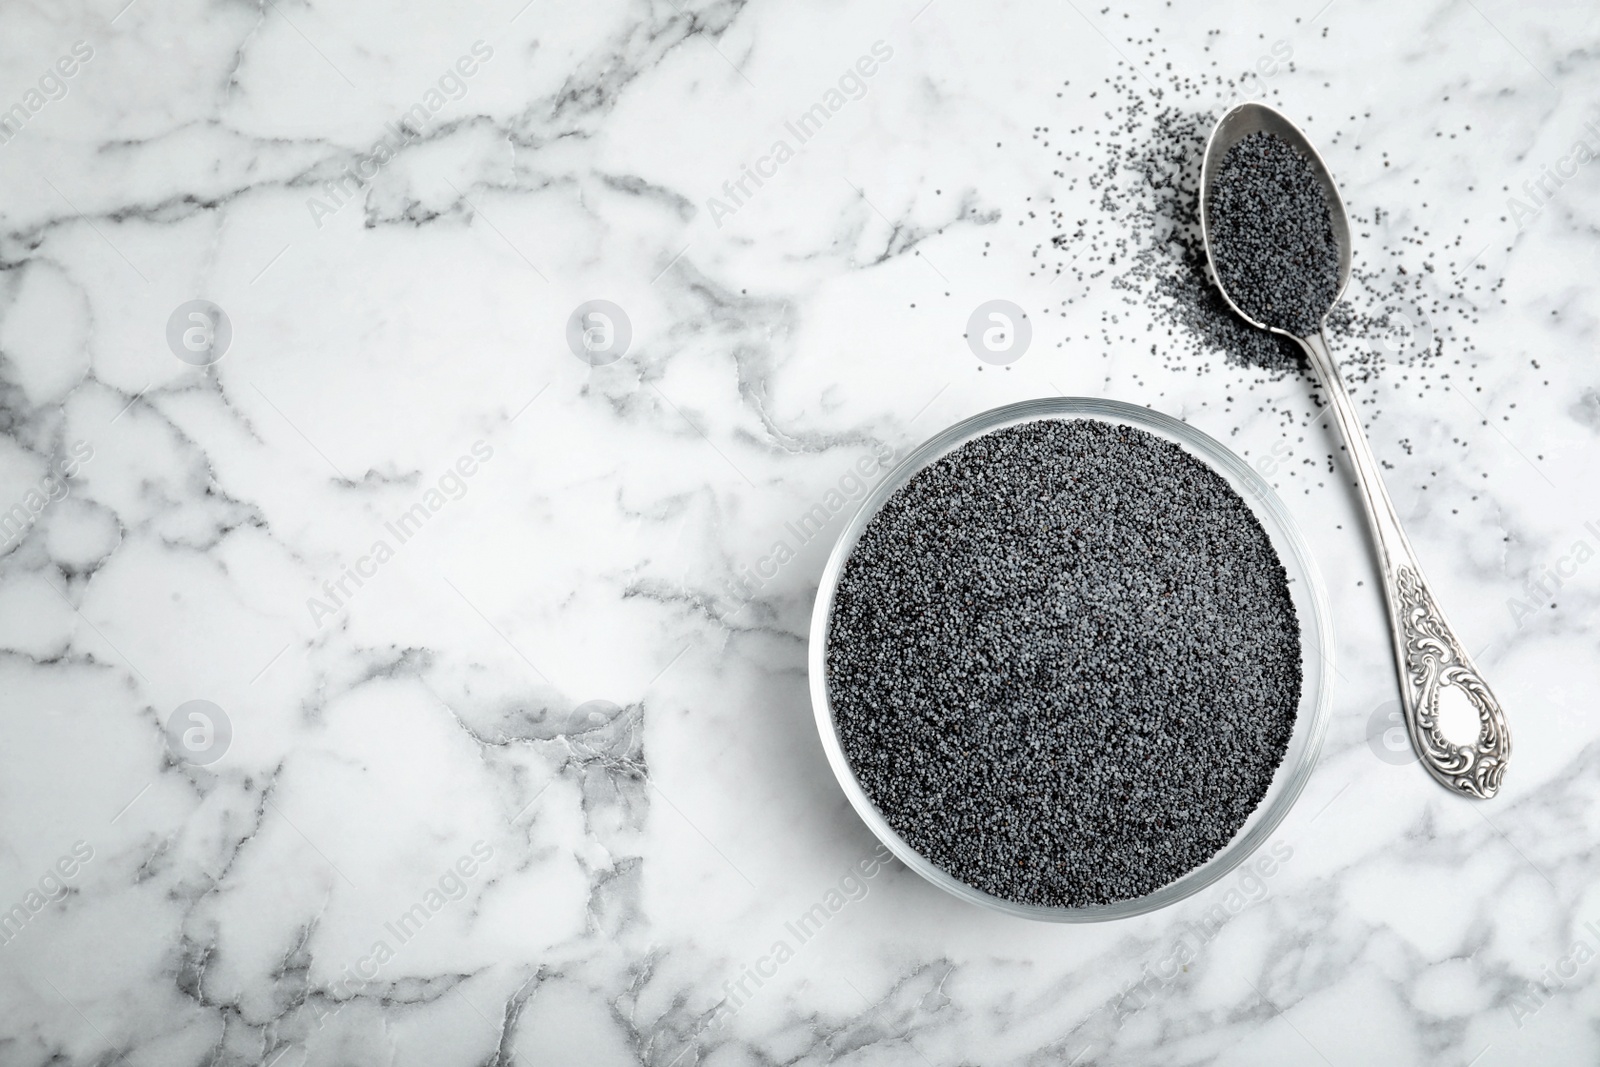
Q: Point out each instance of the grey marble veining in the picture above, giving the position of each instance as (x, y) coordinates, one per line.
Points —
(505, 753)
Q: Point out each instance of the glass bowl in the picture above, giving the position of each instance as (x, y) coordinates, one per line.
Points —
(1305, 588)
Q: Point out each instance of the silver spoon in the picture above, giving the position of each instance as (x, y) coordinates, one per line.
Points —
(1434, 669)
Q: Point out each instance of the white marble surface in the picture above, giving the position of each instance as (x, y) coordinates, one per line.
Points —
(588, 882)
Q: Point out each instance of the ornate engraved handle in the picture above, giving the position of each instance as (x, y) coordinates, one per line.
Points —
(1433, 663)
(1429, 658)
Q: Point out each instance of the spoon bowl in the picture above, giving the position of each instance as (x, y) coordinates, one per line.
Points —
(1237, 124)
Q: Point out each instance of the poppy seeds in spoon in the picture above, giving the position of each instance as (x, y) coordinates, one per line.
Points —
(1272, 236)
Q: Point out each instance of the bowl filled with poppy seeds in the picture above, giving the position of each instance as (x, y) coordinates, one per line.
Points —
(1068, 661)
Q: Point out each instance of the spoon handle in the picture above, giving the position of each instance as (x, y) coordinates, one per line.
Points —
(1429, 658)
